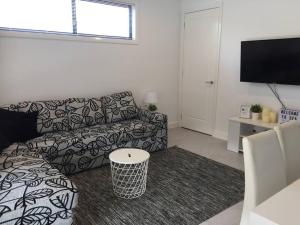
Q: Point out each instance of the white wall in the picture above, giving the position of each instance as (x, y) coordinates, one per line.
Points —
(37, 69)
(247, 20)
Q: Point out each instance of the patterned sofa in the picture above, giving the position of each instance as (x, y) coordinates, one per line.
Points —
(78, 134)
(32, 191)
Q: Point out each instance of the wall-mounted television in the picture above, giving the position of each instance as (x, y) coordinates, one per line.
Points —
(271, 61)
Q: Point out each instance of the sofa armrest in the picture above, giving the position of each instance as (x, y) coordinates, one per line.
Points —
(161, 123)
(158, 119)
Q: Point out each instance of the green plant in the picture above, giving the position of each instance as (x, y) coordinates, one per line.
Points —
(256, 108)
(152, 107)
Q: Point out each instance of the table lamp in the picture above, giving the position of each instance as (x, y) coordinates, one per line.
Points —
(150, 100)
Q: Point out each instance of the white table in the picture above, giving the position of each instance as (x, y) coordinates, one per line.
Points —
(239, 128)
(281, 209)
(129, 172)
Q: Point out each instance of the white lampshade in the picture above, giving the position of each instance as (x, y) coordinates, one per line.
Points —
(150, 97)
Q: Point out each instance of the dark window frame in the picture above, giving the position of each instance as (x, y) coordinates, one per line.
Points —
(74, 23)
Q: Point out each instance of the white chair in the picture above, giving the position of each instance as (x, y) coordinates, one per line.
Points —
(264, 170)
(289, 139)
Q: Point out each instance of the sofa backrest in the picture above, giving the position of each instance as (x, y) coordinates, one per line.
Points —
(84, 112)
(74, 113)
(10, 107)
(119, 106)
(52, 115)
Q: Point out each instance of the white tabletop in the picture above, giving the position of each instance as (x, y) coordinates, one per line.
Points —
(129, 156)
(281, 209)
(258, 123)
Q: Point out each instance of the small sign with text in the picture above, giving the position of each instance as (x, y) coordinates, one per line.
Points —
(286, 115)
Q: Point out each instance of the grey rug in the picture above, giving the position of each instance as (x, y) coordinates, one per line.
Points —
(182, 188)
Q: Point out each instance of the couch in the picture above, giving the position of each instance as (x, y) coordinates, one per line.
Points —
(77, 134)
(32, 191)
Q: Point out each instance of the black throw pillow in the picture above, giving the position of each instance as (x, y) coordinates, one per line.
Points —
(18, 126)
(4, 143)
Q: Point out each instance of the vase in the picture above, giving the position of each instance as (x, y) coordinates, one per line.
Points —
(255, 116)
(266, 118)
(273, 117)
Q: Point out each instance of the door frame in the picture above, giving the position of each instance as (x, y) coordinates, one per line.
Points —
(186, 10)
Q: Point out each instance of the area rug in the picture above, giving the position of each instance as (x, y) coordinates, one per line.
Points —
(182, 189)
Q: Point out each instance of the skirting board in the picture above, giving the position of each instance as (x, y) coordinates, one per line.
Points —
(217, 134)
(173, 124)
(220, 135)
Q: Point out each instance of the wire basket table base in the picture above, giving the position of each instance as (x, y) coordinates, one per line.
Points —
(129, 180)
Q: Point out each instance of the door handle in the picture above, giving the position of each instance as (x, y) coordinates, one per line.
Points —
(209, 82)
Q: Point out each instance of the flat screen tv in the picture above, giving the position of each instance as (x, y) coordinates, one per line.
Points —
(271, 61)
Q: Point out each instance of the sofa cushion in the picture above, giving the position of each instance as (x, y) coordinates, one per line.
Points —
(18, 126)
(119, 106)
(4, 142)
(52, 145)
(108, 134)
(63, 144)
(52, 115)
(84, 112)
(32, 192)
(10, 107)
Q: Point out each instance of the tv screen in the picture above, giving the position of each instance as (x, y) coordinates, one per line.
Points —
(271, 61)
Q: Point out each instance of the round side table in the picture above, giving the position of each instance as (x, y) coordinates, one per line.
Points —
(129, 172)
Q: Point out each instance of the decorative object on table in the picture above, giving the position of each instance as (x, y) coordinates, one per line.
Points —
(152, 108)
(245, 111)
(129, 172)
(256, 111)
(266, 110)
(273, 117)
(266, 114)
(286, 115)
(266, 118)
(150, 100)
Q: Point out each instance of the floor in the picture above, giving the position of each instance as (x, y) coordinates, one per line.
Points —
(187, 191)
(214, 149)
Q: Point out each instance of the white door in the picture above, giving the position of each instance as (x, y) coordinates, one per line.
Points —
(200, 69)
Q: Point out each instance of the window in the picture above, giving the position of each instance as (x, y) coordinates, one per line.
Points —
(100, 18)
(113, 20)
(36, 15)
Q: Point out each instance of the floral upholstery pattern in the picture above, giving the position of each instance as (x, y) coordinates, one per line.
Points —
(119, 107)
(156, 118)
(69, 147)
(32, 192)
(92, 152)
(52, 145)
(88, 141)
(10, 107)
(52, 115)
(80, 161)
(97, 157)
(84, 112)
(114, 133)
(77, 135)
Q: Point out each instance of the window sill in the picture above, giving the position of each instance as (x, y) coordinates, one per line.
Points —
(65, 37)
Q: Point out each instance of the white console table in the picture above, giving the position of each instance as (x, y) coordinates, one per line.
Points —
(239, 128)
